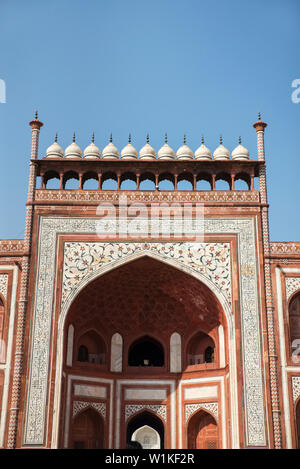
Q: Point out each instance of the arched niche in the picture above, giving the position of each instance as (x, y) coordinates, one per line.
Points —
(87, 430)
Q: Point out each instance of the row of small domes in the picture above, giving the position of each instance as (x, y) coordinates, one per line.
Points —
(147, 152)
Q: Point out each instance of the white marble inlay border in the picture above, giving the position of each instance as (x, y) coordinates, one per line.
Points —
(40, 352)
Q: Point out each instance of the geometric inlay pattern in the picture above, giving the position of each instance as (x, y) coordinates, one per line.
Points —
(212, 407)
(131, 409)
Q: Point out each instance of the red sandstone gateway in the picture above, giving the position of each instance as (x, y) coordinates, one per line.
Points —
(172, 340)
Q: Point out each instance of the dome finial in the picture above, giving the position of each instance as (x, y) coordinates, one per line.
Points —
(240, 140)
(166, 137)
(55, 137)
(93, 137)
(129, 138)
(184, 139)
(36, 115)
(110, 138)
(202, 140)
(221, 140)
(148, 138)
(259, 116)
(74, 137)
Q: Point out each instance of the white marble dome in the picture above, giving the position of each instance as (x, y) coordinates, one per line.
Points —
(184, 152)
(92, 151)
(110, 152)
(202, 152)
(240, 152)
(166, 152)
(221, 153)
(147, 152)
(55, 150)
(73, 150)
(129, 152)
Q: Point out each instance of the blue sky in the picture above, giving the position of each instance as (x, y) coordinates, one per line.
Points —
(177, 66)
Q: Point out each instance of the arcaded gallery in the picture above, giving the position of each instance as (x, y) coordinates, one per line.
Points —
(111, 333)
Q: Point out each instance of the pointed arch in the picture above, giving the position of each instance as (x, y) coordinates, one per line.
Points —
(171, 262)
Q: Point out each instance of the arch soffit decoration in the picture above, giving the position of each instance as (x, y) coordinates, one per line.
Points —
(210, 408)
